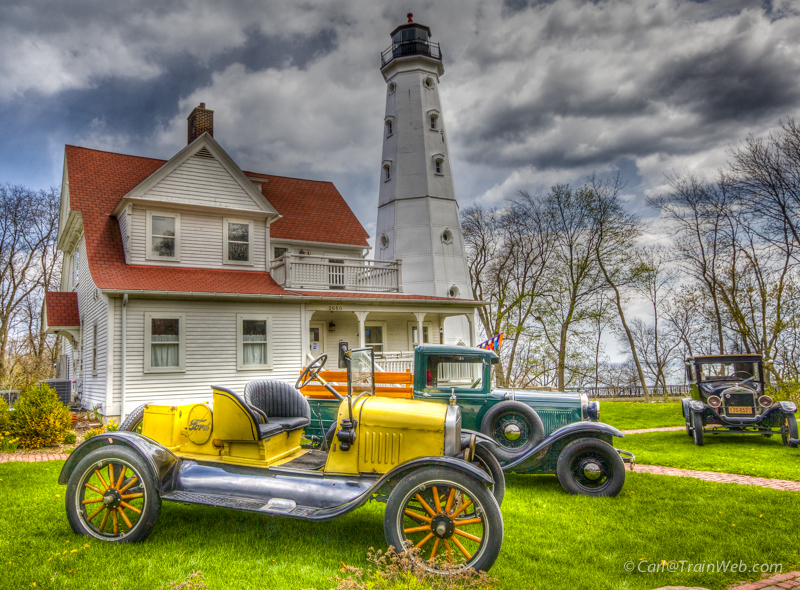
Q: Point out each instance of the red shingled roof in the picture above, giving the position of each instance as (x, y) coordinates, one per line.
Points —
(98, 180)
(312, 210)
(62, 309)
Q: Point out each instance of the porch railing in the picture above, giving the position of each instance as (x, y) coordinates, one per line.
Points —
(301, 271)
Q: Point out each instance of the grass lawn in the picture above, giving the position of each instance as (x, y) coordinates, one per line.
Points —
(634, 415)
(552, 540)
(742, 454)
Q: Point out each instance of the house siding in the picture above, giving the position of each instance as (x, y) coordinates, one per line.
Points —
(202, 241)
(202, 181)
(211, 345)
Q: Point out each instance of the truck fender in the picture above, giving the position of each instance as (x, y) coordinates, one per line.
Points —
(157, 457)
(782, 407)
(564, 432)
(685, 406)
(449, 462)
(480, 438)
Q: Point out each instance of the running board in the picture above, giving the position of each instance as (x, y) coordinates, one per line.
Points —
(280, 506)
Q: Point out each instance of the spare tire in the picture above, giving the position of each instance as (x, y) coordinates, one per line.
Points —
(515, 427)
(133, 422)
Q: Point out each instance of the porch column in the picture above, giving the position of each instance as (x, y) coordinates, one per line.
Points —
(471, 322)
(362, 318)
(304, 334)
(420, 315)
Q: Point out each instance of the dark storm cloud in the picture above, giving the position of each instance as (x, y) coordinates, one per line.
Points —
(535, 92)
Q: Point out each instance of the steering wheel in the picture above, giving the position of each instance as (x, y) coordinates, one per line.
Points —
(311, 372)
(745, 373)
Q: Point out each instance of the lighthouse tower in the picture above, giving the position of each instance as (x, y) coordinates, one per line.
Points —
(418, 217)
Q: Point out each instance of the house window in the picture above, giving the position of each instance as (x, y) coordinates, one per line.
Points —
(163, 235)
(237, 240)
(374, 337)
(94, 350)
(165, 343)
(254, 342)
(278, 252)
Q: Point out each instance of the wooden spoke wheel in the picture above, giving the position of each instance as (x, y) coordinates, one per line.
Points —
(449, 517)
(111, 496)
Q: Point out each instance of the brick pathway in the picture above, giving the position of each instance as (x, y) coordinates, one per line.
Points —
(643, 430)
(775, 484)
(31, 458)
(779, 582)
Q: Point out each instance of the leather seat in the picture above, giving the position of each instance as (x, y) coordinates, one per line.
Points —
(234, 419)
(282, 403)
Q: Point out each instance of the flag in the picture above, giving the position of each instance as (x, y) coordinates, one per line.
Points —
(494, 343)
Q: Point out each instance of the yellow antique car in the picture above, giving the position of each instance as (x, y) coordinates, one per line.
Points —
(408, 454)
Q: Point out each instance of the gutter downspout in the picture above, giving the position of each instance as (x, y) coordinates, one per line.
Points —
(122, 364)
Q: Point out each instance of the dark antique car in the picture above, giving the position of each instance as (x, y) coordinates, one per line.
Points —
(527, 431)
(728, 395)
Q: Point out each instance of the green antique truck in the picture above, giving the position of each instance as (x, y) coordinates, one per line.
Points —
(527, 431)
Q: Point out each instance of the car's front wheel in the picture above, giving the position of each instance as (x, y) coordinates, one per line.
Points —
(789, 430)
(450, 518)
(590, 467)
(112, 496)
(697, 428)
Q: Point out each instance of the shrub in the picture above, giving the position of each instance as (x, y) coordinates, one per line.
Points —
(93, 432)
(70, 439)
(8, 444)
(39, 418)
(5, 416)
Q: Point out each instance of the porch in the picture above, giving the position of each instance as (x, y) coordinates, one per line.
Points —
(393, 333)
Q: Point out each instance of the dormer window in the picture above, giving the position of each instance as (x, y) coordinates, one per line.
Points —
(163, 236)
(238, 236)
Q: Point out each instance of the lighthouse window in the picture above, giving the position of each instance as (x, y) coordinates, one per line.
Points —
(438, 166)
(433, 121)
(388, 170)
(388, 128)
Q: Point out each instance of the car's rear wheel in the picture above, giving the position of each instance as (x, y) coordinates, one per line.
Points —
(789, 430)
(112, 496)
(697, 428)
(450, 518)
(516, 427)
(133, 422)
(590, 467)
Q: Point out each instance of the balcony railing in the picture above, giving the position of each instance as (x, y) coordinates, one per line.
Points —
(407, 48)
(301, 271)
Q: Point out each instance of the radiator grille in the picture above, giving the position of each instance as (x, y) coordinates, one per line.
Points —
(555, 419)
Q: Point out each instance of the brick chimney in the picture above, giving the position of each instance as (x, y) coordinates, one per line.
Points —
(200, 121)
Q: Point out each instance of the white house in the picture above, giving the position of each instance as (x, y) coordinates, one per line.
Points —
(182, 273)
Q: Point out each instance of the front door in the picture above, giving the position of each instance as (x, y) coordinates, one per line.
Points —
(316, 338)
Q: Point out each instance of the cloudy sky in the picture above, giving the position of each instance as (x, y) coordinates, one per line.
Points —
(534, 93)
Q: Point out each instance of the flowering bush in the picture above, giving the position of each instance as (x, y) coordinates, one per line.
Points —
(39, 418)
(93, 432)
(8, 444)
(112, 426)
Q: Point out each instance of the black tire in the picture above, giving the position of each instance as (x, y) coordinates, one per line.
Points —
(327, 442)
(789, 430)
(697, 428)
(133, 422)
(421, 483)
(580, 458)
(137, 480)
(689, 428)
(485, 459)
(500, 419)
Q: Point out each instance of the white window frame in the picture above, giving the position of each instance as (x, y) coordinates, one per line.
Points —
(389, 123)
(94, 349)
(148, 333)
(384, 331)
(149, 250)
(412, 325)
(433, 123)
(240, 366)
(225, 259)
(387, 170)
(438, 159)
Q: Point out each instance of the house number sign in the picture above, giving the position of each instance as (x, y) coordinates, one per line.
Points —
(335, 308)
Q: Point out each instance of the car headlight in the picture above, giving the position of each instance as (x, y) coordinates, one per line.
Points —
(765, 401)
(697, 406)
(594, 411)
(452, 431)
(714, 401)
